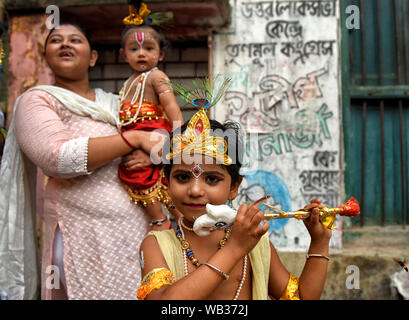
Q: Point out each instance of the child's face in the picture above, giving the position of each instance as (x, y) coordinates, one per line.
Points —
(142, 50)
(192, 186)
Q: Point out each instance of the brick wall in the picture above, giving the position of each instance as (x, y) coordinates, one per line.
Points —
(183, 62)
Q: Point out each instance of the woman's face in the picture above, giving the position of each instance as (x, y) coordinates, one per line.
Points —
(192, 186)
(68, 53)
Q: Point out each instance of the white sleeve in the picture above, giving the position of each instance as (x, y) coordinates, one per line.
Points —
(73, 158)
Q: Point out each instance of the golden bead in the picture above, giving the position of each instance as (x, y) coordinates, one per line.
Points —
(185, 245)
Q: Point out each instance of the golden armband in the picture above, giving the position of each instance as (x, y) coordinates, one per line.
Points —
(291, 292)
(155, 279)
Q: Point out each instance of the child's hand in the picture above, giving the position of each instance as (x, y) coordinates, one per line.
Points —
(246, 230)
(136, 159)
(314, 226)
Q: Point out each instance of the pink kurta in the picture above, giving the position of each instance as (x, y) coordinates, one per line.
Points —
(102, 230)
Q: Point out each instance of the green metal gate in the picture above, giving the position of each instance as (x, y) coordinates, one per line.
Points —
(375, 65)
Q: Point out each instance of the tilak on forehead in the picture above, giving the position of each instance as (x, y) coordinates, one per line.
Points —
(139, 37)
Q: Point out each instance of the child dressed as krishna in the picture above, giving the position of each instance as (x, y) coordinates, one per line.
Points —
(228, 262)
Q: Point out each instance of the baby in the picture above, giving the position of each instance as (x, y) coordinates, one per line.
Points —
(147, 103)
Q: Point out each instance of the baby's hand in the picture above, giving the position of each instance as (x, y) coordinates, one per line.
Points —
(314, 226)
(246, 230)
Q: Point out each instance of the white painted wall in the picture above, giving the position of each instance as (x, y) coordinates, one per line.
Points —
(284, 61)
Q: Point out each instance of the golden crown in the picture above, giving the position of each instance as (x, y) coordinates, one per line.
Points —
(197, 138)
(139, 14)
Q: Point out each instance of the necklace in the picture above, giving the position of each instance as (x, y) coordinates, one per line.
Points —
(139, 91)
(185, 226)
(188, 253)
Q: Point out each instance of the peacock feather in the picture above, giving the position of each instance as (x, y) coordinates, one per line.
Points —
(159, 18)
(205, 93)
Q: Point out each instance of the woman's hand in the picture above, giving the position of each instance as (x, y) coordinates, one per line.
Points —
(136, 159)
(313, 224)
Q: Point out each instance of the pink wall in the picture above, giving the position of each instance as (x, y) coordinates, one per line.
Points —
(27, 67)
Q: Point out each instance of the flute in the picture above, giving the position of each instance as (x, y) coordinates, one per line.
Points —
(222, 216)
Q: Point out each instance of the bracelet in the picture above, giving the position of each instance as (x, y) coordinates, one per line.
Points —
(225, 276)
(317, 255)
(127, 142)
(157, 222)
(155, 279)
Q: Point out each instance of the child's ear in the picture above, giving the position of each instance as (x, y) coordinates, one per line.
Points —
(122, 53)
(94, 58)
(235, 189)
(162, 55)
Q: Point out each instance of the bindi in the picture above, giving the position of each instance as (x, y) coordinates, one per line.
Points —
(197, 171)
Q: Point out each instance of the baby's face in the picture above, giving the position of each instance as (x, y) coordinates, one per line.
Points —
(142, 50)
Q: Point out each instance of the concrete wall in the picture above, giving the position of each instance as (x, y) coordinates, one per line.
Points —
(283, 58)
(364, 269)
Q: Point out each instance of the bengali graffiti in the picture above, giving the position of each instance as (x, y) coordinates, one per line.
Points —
(278, 141)
(329, 199)
(289, 29)
(252, 50)
(319, 180)
(299, 50)
(323, 184)
(299, 8)
(325, 158)
(302, 89)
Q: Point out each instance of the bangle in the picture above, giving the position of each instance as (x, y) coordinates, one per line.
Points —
(157, 222)
(127, 142)
(225, 276)
(317, 255)
(155, 279)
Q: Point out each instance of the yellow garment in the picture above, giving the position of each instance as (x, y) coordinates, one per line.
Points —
(259, 258)
(291, 292)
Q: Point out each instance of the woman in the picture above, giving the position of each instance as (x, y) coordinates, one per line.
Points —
(92, 231)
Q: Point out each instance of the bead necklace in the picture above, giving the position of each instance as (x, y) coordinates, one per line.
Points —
(139, 91)
(188, 253)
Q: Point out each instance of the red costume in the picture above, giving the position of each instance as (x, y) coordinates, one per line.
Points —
(145, 184)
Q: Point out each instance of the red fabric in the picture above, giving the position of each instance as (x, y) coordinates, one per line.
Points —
(144, 177)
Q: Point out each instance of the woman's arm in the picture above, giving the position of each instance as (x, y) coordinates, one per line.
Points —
(103, 150)
(44, 138)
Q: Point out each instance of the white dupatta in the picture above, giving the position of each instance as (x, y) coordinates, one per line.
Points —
(18, 246)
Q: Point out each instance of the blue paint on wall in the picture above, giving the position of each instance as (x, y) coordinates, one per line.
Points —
(274, 187)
